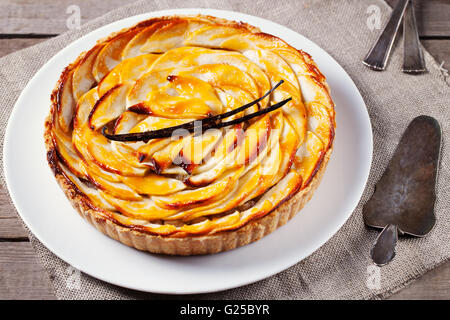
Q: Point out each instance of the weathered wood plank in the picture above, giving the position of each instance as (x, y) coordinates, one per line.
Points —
(433, 285)
(21, 276)
(433, 16)
(50, 16)
(439, 49)
(10, 227)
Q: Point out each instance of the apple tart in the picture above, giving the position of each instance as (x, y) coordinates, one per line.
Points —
(195, 191)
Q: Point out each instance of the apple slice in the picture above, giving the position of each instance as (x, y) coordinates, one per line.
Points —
(111, 54)
(244, 187)
(198, 148)
(65, 102)
(268, 202)
(211, 36)
(233, 98)
(127, 121)
(145, 209)
(231, 139)
(67, 153)
(153, 184)
(109, 107)
(220, 75)
(115, 189)
(166, 156)
(235, 59)
(134, 46)
(212, 192)
(274, 66)
(102, 153)
(93, 194)
(83, 79)
(320, 123)
(171, 36)
(309, 157)
(84, 107)
(128, 70)
(253, 142)
(289, 143)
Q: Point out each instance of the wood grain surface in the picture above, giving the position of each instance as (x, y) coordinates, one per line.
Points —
(24, 23)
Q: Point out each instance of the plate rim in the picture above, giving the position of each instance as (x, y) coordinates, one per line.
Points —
(227, 14)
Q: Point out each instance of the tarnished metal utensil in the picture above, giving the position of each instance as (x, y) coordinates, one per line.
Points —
(403, 201)
(377, 57)
(413, 61)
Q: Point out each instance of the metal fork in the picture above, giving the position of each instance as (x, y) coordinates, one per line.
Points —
(377, 57)
(413, 61)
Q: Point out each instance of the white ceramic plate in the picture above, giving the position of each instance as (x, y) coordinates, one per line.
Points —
(49, 215)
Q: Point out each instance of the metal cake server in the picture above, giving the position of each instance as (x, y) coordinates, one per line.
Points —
(413, 61)
(404, 198)
(377, 57)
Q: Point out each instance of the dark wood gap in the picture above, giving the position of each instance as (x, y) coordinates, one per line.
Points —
(26, 35)
(436, 37)
(20, 239)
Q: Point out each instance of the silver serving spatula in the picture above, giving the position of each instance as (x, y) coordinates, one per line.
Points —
(403, 201)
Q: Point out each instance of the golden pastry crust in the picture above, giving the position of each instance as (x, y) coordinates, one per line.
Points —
(185, 244)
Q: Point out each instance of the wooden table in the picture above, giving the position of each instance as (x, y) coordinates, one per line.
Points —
(24, 23)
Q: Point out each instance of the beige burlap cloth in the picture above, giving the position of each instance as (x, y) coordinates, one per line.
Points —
(339, 269)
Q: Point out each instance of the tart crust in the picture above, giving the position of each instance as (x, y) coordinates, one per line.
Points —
(189, 244)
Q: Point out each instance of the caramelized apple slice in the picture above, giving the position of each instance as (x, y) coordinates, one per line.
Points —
(244, 187)
(93, 146)
(127, 121)
(232, 138)
(115, 189)
(67, 153)
(93, 168)
(274, 66)
(211, 36)
(83, 80)
(235, 59)
(289, 143)
(127, 71)
(254, 139)
(93, 194)
(198, 148)
(111, 54)
(314, 91)
(309, 157)
(171, 36)
(320, 123)
(165, 157)
(153, 184)
(220, 75)
(65, 101)
(145, 209)
(84, 107)
(134, 47)
(269, 201)
(102, 153)
(109, 107)
(201, 195)
(233, 98)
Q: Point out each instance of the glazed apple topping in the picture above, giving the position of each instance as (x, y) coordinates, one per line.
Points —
(174, 127)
